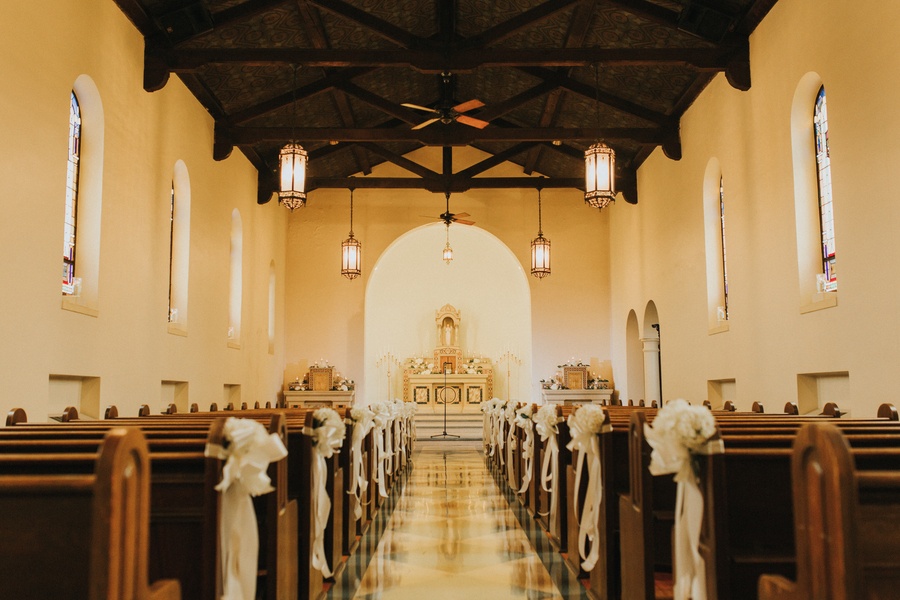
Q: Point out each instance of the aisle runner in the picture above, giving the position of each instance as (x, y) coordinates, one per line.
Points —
(453, 535)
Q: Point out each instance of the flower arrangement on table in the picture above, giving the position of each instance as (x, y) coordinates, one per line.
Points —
(342, 384)
(419, 366)
(680, 435)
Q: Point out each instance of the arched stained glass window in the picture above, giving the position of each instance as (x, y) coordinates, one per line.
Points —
(68, 279)
(172, 317)
(826, 213)
(724, 253)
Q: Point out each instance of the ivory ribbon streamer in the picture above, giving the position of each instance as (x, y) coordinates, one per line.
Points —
(498, 425)
(510, 451)
(550, 473)
(250, 450)
(690, 568)
(327, 439)
(527, 454)
(362, 424)
(588, 445)
(387, 450)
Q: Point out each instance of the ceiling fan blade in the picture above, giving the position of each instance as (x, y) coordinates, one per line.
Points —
(472, 122)
(426, 123)
(461, 215)
(463, 222)
(417, 107)
(466, 106)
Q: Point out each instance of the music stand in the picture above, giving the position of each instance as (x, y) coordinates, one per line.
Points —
(444, 390)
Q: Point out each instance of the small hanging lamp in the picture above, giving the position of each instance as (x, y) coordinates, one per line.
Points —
(448, 251)
(292, 161)
(540, 249)
(351, 251)
(599, 164)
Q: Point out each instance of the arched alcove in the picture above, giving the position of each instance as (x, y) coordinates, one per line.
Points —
(650, 340)
(634, 358)
(410, 281)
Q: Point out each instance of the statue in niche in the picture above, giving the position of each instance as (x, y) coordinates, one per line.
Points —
(447, 333)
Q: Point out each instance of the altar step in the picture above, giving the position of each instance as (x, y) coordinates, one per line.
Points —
(468, 427)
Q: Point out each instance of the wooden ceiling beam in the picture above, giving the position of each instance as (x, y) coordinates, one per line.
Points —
(590, 93)
(401, 161)
(649, 11)
(382, 104)
(454, 184)
(387, 30)
(512, 26)
(499, 109)
(437, 135)
(307, 91)
(496, 159)
(180, 60)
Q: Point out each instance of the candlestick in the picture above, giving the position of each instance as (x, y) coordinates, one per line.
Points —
(387, 359)
(510, 358)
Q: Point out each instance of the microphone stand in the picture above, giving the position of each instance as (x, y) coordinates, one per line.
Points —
(446, 366)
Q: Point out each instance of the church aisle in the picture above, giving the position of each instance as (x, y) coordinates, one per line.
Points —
(453, 534)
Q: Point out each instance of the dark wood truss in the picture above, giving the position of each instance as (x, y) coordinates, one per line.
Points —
(534, 64)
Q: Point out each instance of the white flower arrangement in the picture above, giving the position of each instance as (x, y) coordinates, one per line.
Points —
(509, 411)
(589, 418)
(679, 431)
(546, 420)
(328, 431)
(248, 450)
(524, 415)
(360, 414)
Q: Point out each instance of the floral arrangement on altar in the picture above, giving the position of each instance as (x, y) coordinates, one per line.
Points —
(419, 366)
(556, 382)
(341, 384)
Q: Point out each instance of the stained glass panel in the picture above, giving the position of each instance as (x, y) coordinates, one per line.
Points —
(724, 253)
(68, 280)
(823, 168)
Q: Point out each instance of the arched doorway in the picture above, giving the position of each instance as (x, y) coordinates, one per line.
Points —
(410, 281)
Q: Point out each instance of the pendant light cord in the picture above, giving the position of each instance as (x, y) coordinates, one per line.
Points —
(597, 95)
(294, 104)
(351, 212)
(540, 228)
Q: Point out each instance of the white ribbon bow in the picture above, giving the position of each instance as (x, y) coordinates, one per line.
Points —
(587, 443)
(363, 422)
(327, 436)
(671, 456)
(527, 451)
(550, 470)
(250, 449)
(511, 449)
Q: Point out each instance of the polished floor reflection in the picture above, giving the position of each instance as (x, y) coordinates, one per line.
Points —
(453, 534)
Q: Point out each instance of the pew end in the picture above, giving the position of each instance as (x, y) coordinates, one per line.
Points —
(17, 415)
(831, 410)
(791, 408)
(70, 413)
(111, 412)
(888, 411)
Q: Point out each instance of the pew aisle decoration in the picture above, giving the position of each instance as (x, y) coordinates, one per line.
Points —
(247, 452)
(680, 433)
(327, 437)
(382, 420)
(509, 413)
(493, 413)
(585, 424)
(363, 420)
(546, 423)
(524, 420)
(399, 435)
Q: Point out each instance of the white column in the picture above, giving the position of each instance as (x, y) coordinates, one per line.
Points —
(651, 370)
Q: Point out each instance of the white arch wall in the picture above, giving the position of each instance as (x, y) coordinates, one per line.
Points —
(485, 282)
(569, 310)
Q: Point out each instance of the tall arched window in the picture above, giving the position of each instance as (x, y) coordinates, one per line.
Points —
(724, 253)
(178, 207)
(823, 170)
(72, 170)
(236, 284)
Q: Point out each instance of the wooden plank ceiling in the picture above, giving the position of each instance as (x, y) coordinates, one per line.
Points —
(553, 76)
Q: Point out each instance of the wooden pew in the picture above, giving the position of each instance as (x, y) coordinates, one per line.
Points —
(92, 525)
(847, 541)
(184, 510)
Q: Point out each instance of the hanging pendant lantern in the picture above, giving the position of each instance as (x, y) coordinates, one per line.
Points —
(292, 192)
(599, 163)
(599, 175)
(351, 251)
(292, 162)
(540, 249)
(448, 251)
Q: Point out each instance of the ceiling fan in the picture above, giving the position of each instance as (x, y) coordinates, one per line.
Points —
(446, 111)
(448, 217)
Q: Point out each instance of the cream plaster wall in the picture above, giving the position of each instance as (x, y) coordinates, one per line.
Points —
(325, 312)
(127, 345)
(659, 249)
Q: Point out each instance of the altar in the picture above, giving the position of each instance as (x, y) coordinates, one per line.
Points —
(588, 396)
(447, 376)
